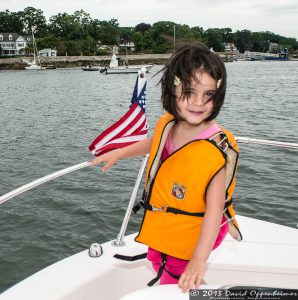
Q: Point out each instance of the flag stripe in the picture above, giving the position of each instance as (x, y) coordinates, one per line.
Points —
(131, 128)
(121, 141)
(112, 131)
(122, 128)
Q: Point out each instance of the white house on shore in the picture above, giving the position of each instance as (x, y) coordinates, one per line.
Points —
(13, 43)
(47, 52)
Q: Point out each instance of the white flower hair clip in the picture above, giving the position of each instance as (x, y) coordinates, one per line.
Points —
(218, 83)
(177, 81)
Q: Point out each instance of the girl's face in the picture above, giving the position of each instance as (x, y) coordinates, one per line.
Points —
(195, 105)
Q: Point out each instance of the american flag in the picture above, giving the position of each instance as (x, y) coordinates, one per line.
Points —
(131, 128)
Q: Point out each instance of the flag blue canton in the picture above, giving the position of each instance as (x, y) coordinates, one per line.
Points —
(141, 98)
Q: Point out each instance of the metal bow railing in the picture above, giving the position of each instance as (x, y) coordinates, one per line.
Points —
(119, 240)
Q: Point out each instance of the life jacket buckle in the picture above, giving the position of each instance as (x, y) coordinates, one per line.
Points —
(162, 208)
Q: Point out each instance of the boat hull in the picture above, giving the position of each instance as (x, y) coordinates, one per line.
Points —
(35, 67)
(266, 257)
(91, 69)
(125, 70)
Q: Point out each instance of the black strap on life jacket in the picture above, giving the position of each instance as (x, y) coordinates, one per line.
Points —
(161, 269)
(228, 203)
(144, 255)
(173, 210)
(131, 258)
(138, 206)
(168, 209)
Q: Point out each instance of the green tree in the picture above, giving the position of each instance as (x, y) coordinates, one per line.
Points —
(34, 18)
(198, 32)
(126, 34)
(138, 41)
(61, 48)
(84, 21)
(93, 29)
(214, 39)
(184, 32)
(148, 43)
(243, 40)
(108, 32)
(162, 33)
(259, 42)
(49, 41)
(29, 49)
(227, 35)
(89, 46)
(11, 22)
(142, 27)
(62, 25)
(73, 48)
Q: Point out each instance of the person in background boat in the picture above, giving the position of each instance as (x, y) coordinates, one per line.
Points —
(191, 171)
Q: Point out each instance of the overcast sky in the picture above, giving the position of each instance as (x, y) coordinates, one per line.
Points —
(279, 17)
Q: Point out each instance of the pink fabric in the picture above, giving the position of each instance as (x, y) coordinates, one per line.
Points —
(169, 148)
(175, 265)
(223, 230)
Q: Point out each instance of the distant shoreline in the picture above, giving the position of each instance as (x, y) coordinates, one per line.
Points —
(81, 61)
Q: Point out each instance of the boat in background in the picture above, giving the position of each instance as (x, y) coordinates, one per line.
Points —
(50, 67)
(267, 258)
(283, 55)
(35, 64)
(91, 68)
(114, 67)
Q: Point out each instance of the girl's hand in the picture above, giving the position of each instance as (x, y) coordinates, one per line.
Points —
(109, 158)
(192, 275)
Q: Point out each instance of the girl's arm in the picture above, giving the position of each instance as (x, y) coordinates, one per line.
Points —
(140, 148)
(194, 271)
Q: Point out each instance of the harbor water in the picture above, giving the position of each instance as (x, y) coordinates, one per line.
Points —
(49, 118)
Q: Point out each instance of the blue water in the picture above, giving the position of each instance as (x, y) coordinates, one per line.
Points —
(49, 118)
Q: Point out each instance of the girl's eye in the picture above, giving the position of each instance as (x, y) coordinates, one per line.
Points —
(188, 91)
(210, 94)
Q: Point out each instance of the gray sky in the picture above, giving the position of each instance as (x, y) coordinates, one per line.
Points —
(279, 17)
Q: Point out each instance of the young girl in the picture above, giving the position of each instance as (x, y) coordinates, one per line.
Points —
(191, 171)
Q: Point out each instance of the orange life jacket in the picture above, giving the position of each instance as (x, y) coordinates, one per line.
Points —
(175, 190)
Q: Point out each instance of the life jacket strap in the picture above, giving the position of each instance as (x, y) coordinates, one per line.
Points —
(228, 203)
(138, 206)
(144, 255)
(168, 209)
(173, 210)
(161, 269)
(131, 258)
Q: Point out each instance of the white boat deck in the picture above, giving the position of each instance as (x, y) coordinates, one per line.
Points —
(266, 257)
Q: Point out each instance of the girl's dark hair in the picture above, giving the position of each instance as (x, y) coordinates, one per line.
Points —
(182, 64)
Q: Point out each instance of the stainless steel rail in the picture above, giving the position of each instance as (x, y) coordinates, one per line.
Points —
(119, 240)
(86, 164)
(42, 180)
(266, 142)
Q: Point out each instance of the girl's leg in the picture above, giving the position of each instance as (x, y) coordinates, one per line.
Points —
(173, 265)
(167, 278)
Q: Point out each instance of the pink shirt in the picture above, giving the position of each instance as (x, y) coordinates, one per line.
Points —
(169, 148)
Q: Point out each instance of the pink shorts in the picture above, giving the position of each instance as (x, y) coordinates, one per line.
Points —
(176, 266)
